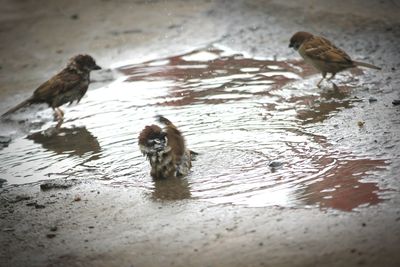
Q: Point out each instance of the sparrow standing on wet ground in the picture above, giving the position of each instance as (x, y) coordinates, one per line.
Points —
(323, 55)
(68, 85)
(166, 150)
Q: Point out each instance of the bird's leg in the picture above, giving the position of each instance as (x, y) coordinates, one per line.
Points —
(59, 114)
(60, 117)
(335, 87)
(333, 76)
(318, 84)
(59, 123)
(62, 112)
(323, 77)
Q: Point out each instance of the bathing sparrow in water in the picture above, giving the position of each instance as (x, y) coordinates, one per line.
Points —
(165, 149)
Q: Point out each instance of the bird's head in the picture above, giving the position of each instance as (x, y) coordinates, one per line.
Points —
(84, 63)
(152, 140)
(298, 39)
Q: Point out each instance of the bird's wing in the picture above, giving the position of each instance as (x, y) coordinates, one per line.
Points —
(319, 48)
(60, 83)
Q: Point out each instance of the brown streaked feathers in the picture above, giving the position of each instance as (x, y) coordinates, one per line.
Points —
(165, 149)
(323, 54)
(69, 85)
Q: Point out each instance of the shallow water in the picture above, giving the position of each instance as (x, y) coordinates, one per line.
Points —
(248, 118)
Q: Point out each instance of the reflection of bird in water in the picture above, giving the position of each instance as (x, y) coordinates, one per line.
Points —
(165, 149)
(323, 55)
(171, 189)
(75, 141)
(68, 85)
(318, 108)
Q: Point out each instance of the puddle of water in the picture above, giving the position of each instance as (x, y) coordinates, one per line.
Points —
(253, 133)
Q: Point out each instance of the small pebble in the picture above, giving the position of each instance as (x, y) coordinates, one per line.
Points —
(2, 181)
(56, 185)
(39, 206)
(75, 16)
(51, 235)
(275, 164)
(396, 102)
(5, 140)
(21, 198)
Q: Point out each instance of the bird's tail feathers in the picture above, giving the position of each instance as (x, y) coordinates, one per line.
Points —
(367, 65)
(165, 121)
(17, 107)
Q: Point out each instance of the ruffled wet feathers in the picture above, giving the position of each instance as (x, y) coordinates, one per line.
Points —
(165, 149)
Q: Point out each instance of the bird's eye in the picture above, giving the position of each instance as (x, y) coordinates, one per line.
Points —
(152, 141)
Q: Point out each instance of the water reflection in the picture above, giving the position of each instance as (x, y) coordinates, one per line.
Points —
(342, 189)
(171, 189)
(219, 77)
(313, 109)
(74, 141)
(240, 114)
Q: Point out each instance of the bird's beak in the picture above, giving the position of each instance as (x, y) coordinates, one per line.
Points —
(96, 67)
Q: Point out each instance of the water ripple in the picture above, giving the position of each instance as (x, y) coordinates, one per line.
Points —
(252, 127)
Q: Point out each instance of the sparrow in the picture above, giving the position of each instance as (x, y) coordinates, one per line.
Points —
(165, 149)
(323, 55)
(68, 85)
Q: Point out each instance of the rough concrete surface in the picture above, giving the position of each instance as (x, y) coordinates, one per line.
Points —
(92, 224)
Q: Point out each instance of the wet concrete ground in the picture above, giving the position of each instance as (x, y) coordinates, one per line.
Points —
(288, 174)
